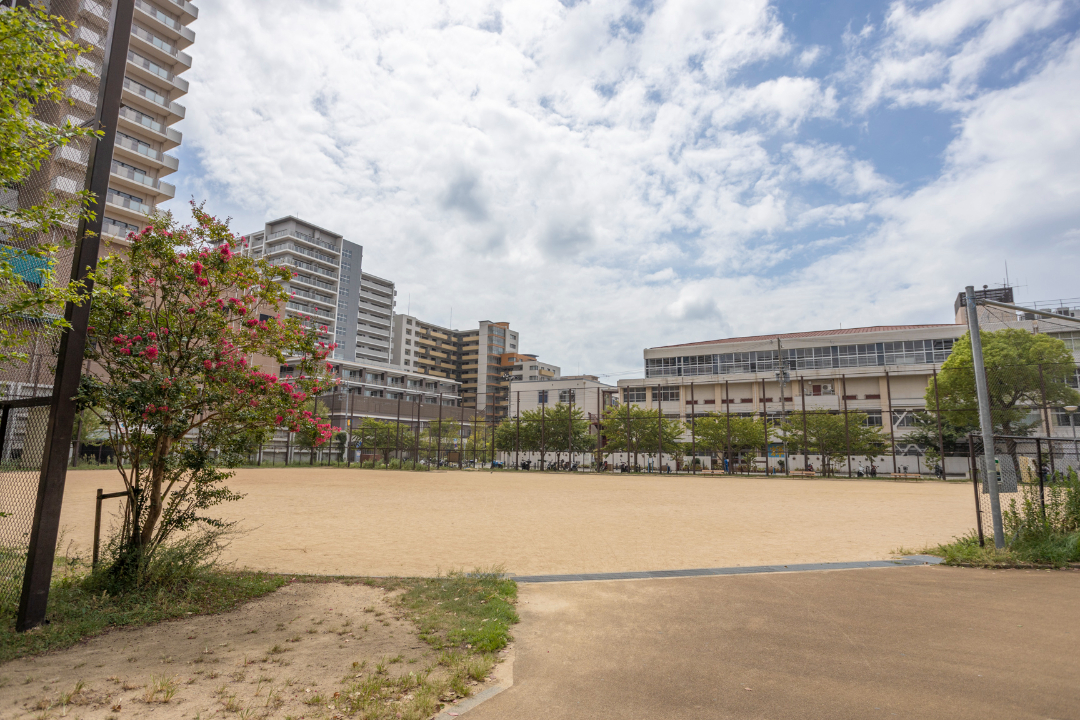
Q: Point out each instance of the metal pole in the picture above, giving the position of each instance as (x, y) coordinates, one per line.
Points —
(727, 397)
(570, 429)
(693, 436)
(543, 432)
(41, 550)
(765, 424)
(1039, 472)
(847, 432)
(517, 434)
(892, 420)
(659, 431)
(805, 438)
(438, 441)
(600, 429)
(348, 427)
(940, 435)
(97, 529)
(1046, 414)
(783, 401)
(985, 419)
(416, 430)
(397, 432)
(628, 430)
(975, 482)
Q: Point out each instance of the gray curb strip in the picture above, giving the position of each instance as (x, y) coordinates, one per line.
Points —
(468, 704)
(906, 561)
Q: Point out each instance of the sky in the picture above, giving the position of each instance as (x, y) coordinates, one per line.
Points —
(608, 176)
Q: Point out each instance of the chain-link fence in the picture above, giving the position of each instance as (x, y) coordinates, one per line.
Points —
(22, 446)
(1028, 470)
(39, 255)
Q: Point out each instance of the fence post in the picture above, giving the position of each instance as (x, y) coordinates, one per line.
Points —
(940, 435)
(975, 482)
(1039, 472)
(986, 420)
(693, 435)
(805, 439)
(1046, 414)
(847, 432)
(727, 404)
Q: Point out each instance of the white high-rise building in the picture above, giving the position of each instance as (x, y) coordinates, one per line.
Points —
(329, 289)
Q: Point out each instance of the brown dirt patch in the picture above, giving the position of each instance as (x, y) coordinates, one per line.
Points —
(271, 658)
(373, 523)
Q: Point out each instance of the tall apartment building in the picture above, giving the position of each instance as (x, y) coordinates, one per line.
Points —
(483, 360)
(329, 289)
(156, 58)
(376, 318)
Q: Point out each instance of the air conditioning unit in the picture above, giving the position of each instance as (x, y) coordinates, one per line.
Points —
(827, 389)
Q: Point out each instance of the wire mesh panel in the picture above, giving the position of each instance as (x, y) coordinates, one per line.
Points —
(1028, 470)
(20, 468)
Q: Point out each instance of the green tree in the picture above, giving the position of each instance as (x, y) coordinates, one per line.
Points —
(173, 323)
(375, 436)
(714, 430)
(831, 435)
(37, 63)
(636, 430)
(1019, 367)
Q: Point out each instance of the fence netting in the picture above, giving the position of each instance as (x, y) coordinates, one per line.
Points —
(1029, 470)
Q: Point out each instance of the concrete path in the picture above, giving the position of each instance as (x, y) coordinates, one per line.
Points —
(919, 642)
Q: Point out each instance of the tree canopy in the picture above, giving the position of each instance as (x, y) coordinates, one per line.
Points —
(1023, 373)
(37, 63)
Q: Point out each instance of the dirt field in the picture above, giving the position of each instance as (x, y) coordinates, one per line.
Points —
(289, 654)
(370, 522)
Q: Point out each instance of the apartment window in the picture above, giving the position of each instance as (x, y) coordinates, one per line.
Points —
(533, 367)
(542, 397)
(408, 332)
(408, 352)
(345, 279)
(341, 317)
(342, 305)
(346, 253)
(634, 394)
(408, 322)
(513, 346)
(406, 363)
(566, 396)
(668, 394)
(873, 418)
(534, 377)
(125, 195)
(408, 342)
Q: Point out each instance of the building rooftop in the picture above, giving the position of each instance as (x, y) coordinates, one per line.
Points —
(809, 334)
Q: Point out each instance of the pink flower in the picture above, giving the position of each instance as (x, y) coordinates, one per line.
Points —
(125, 351)
(203, 281)
(137, 338)
(152, 335)
(192, 311)
(198, 268)
(150, 352)
(208, 365)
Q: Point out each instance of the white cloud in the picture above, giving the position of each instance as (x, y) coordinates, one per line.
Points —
(607, 178)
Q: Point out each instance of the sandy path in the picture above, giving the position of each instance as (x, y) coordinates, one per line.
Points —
(370, 522)
(270, 658)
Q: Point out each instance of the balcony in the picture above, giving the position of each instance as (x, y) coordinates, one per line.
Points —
(159, 49)
(139, 151)
(88, 36)
(314, 254)
(309, 310)
(66, 185)
(165, 24)
(313, 282)
(304, 237)
(150, 69)
(72, 155)
(133, 119)
(94, 12)
(190, 11)
(141, 181)
(138, 94)
(131, 206)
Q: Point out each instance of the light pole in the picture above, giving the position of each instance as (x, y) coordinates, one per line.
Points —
(1071, 409)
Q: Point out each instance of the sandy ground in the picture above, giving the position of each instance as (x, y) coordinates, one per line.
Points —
(271, 657)
(370, 522)
(920, 642)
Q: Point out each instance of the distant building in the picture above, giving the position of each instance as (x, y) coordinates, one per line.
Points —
(484, 360)
(330, 293)
(882, 371)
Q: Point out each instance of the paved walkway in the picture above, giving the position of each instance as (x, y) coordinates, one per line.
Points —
(915, 642)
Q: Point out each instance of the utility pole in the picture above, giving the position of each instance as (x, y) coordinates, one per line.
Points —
(782, 375)
(985, 419)
(517, 434)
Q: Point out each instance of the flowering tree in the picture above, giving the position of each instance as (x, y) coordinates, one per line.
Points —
(175, 322)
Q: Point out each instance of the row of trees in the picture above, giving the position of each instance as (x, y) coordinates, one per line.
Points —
(564, 430)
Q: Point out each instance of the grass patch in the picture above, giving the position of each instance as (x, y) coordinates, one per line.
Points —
(1057, 550)
(471, 611)
(76, 613)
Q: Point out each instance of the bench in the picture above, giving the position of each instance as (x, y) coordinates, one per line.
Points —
(807, 473)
